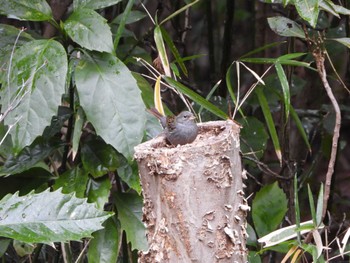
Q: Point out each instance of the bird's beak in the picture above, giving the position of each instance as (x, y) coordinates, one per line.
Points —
(192, 118)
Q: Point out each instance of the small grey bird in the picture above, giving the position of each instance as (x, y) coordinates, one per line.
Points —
(180, 129)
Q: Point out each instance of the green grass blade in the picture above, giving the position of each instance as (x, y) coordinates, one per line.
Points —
(174, 50)
(121, 26)
(158, 38)
(269, 122)
(300, 127)
(285, 88)
(196, 98)
(312, 206)
(178, 12)
(319, 207)
(297, 209)
(230, 87)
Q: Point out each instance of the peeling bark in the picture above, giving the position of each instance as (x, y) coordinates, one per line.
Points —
(194, 206)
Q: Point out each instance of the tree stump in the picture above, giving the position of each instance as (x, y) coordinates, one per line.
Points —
(194, 207)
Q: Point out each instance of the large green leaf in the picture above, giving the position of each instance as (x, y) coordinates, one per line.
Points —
(99, 191)
(93, 4)
(48, 217)
(29, 156)
(33, 10)
(36, 83)
(99, 158)
(89, 30)
(129, 208)
(268, 209)
(74, 180)
(285, 27)
(104, 247)
(111, 100)
(308, 10)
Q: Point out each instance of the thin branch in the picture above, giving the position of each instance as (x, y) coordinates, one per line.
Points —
(319, 58)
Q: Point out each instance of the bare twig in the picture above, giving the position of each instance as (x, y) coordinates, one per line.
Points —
(319, 56)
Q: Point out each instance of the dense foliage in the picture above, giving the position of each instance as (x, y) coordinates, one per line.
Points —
(76, 78)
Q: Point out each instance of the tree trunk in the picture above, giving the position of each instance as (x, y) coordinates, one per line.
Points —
(194, 208)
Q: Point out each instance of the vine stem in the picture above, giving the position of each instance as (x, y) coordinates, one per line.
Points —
(323, 75)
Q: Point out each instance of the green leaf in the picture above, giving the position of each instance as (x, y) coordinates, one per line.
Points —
(285, 27)
(78, 126)
(174, 50)
(48, 217)
(37, 81)
(328, 6)
(34, 10)
(73, 181)
(9, 35)
(29, 156)
(89, 30)
(259, 49)
(99, 191)
(300, 127)
(129, 208)
(4, 243)
(297, 209)
(99, 158)
(111, 101)
(105, 245)
(134, 16)
(269, 121)
(158, 39)
(36, 178)
(268, 209)
(179, 11)
(93, 4)
(254, 136)
(312, 205)
(129, 173)
(319, 207)
(281, 235)
(197, 98)
(308, 10)
(121, 27)
(344, 40)
(285, 88)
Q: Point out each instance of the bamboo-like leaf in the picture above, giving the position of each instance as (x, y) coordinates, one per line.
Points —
(297, 209)
(157, 97)
(269, 122)
(254, 74)
(197, 98)
(287, 62)
(211, 92)
(158, 38)
(285, 233)
(121, 26)
(179, 11)
(300, 127)
(285, 88)
(319, 207)
(174, 51)
(318, 242)
(312, 205)
(259, 49)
